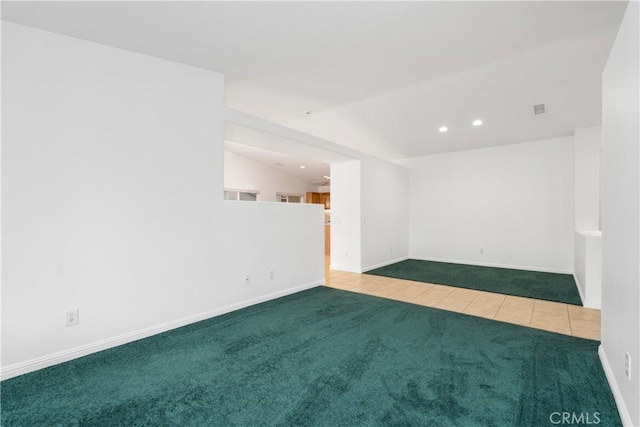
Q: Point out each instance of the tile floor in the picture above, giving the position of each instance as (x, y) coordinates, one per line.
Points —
(549, 316)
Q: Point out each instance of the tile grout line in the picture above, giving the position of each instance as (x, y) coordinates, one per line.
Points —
(467, 306)
(361, 289)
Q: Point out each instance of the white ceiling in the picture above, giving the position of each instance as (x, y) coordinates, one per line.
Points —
(313, 171)
(281, 153)
(379, 77)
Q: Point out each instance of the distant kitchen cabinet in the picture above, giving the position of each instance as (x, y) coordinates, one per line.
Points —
(319, 199)
(327, 239)
(326, 200)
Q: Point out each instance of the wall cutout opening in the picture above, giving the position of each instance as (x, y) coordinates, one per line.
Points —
(265, 167)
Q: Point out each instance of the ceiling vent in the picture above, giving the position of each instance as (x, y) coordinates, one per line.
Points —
(538, 109)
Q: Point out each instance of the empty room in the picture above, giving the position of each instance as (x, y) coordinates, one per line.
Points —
(433, 216)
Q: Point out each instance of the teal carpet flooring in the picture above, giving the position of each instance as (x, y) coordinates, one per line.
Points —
(522, 283)
(323, 357)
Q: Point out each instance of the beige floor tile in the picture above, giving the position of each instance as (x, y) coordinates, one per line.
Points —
(585, 328)
(351, 286)
(432, 296)
(479, 311)
(586, 333)
(381, 292)
(345, 283)
(487, 301)
(583, 313)
(553, 315)
(550, 315)
(485, 305)
(545, 315)
(369, 287)
(373, 280)
(489, 297)
(518, 302)
(408, 294)
(412, 283)
(457, 300)
(517, 315)
(550, 307)
(552, 326)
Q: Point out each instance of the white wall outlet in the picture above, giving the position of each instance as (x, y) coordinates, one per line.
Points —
(481, 251)
(272, 274)
(627, 365)
(391, 251)
(71, 317)
(247, 279)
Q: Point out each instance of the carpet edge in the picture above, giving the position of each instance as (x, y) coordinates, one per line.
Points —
(496, 265)
(383, 264)
(46, 361)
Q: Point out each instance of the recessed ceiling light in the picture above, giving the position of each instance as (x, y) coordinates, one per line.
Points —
(477, 122)
(443, 129)
(302, 167)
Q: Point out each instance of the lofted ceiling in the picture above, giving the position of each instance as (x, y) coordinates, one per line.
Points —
(314, 171)
(380, 77)
(283, 154)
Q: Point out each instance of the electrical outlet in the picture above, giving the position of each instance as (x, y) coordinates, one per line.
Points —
(481, 251)
(627, 365)
(247, 279)
(391, 251)
(72, 317)
(272, 274)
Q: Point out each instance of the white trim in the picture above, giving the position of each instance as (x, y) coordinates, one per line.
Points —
(345, 269)
(575, 278)
(617, 395)
(490, 264)
(586, 302)
(385, 263)
(74, 353)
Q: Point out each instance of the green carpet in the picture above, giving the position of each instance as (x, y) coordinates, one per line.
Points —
(522, 283)
(323, 357)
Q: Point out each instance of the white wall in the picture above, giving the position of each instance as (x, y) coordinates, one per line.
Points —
(514, 202)
(385, 213)
(242, 173)
(587, 178)
(369, 214)
(587, 264)
(587, 261)
(620, 195)
(112, 172)
(346, 233)
(355, 246)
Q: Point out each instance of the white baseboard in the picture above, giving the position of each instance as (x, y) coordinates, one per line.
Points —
(575, 279)
(617, 395)
(490, 264)
(385, 263)
(344, 268)
(586, 302)
(74, 353)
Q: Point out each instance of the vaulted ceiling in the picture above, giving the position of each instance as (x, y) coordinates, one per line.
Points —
(380, 77)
